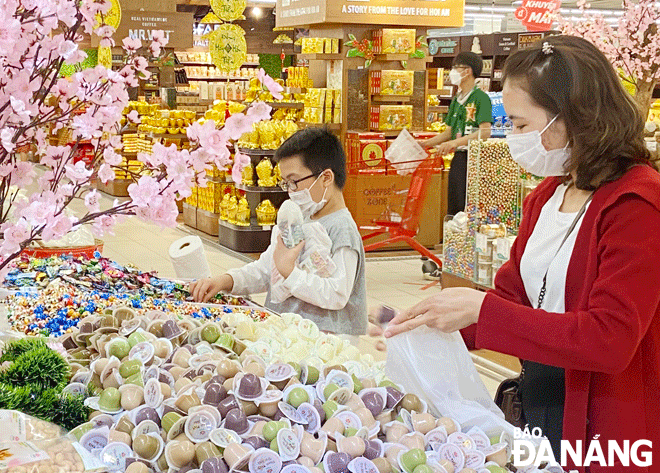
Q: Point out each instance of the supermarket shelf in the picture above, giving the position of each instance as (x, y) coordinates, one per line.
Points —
(442, 92)
(218, 78)
(211, 64)
(252, 228)
(441, 109)
(392, 57)
(328, 126)
(325, 57)
(390, 98)
(390, 133)
(260, 190)
(296, 105)
(257, 152)
(168, 135)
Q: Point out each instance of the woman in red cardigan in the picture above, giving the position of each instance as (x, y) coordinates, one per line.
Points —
(579, 300)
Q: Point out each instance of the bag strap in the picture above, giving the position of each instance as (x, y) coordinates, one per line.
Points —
(568, 233)
(542, 293)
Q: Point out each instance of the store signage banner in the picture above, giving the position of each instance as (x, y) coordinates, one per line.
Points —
(431, 13)
(447, 46)
(505, 44)
(527, 40)
(178, 27)
(538, 15)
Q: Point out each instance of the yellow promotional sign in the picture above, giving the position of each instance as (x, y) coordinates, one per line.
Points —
(228, 47)
(105, 57)
(111, 18)
(229, 10)
(429, 13)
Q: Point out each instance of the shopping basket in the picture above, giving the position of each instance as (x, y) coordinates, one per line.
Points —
(40, 251)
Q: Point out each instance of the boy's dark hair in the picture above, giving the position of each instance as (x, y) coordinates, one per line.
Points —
(319, 150)
(470, 60)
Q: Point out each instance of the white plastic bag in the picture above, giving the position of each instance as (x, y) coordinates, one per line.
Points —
(315, 258)
(437, 367)
(405, 153)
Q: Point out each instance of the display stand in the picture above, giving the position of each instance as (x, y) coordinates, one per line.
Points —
(254, 238)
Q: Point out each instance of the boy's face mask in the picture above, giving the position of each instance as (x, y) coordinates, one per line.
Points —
(304, 199)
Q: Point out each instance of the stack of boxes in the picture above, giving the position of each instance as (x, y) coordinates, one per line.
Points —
(320, 46)
(298, 77)
(365, 152)
(322, 106)
(204, 202)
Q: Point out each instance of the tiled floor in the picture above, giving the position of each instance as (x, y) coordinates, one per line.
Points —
(396, 282)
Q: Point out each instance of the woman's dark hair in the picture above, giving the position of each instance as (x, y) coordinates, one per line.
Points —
(569, 77)
(319, 150)
(471, 60)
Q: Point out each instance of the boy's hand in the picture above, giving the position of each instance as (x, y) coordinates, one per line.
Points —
(285, 258)
(204, 289)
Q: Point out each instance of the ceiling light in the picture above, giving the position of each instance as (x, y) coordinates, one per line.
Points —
(257, 12)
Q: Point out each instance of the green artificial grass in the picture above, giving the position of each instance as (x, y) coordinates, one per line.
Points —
(33, 384)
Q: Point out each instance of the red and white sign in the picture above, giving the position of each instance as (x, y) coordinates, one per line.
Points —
(538, 15)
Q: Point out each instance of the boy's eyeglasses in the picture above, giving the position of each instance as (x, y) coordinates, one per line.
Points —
(292, 186)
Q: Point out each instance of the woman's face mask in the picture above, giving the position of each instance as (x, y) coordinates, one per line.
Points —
(528, 151)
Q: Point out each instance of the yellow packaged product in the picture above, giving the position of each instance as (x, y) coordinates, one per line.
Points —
(266, 213)
(327, 45)
(392, 82)
(267, 137)
(243, 213)
(313, 115)
(248, 175)
(232, 208)
(394, 41)
(335, 46)
(391, 117)
(336, 115)
(265, 173)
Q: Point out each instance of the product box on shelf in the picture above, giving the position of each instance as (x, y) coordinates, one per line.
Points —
(391, 117)
(391, 82)
(365, 151)
(313, 45)
(394, 41)
(193, 198)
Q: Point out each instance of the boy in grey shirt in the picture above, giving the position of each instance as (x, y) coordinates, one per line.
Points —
(313, 166)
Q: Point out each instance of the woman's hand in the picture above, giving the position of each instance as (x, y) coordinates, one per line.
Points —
(204, 289)
(285, 258)
(451, 310)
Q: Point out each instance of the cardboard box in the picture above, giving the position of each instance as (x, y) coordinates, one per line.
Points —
(189, 215)
(391, 117)
(208, 222)
(391, 82)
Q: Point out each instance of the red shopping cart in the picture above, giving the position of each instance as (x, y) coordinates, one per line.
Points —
(406, 226)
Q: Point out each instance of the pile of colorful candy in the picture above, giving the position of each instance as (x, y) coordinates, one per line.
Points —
(58, 308)
(494, 184)
(97, 273)
(179, 396)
